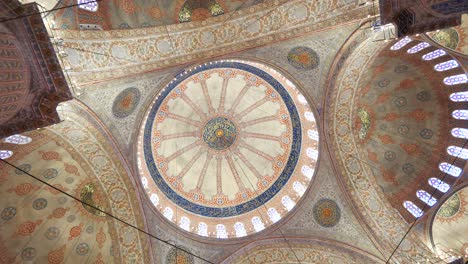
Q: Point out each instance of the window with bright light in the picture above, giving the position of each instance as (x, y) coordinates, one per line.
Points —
(439, 184)
(168, 213)
(273, 215)
(240, 229)
(221, 231)
(299, 188)
(447, 65)
(184, 223)
(418, 47)
(90, 5)
(456, 79)
(413, 209)
(307, 171)
(460, 132)
(434, 54)
(450, 169)
(258, 224)
(401, 43)
(288, 203)
(5, 154)
(426, 197)
(18, 139)
(458, 152)
(202, 229)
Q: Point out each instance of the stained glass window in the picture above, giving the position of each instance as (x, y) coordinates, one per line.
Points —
(460, 132)
(434, 54)
(168, 213)
(18, 139)
(302, 99)
(460, 114)
(450, 169)
(312, 153)
(456, 79)
(288, 203)
(458, 152)
(184, 223)
(154, 199)
(299, 188)
(274, 215)
(401, 43)
(258, 224)
(313, 134)
(221, 231)
(309, 116)
(447, 65)
(307, 171)
(240, 229)
(144, 181)
(439, 184)
(426, 197)
(418, 47)
(413, 209)
(5, 154)
(202, 229)
(459, 97)
(90, 5)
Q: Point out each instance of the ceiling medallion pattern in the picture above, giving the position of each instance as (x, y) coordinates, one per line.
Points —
(223, 139)
(219, 133)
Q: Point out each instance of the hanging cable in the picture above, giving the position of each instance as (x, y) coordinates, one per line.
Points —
(104, 212)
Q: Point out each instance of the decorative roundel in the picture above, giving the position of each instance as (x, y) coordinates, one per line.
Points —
(219, 133)
(126, 102)
(176, 256)
(303, 58)
(82, 249)
(8, 213)
(50, 173)
(450, 207)
(222, 146)
(52, 233)
(28, 253)
(327, 213)
(39, 204)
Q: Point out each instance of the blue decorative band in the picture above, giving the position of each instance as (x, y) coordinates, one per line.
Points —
(253, 203)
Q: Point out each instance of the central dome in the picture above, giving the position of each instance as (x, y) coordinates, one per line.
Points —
(219, 133)
(222, 140)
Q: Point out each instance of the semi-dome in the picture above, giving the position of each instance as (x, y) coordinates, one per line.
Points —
(227, 148)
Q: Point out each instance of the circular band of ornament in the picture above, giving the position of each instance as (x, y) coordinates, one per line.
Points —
(220, 134)
(327, 213)
(126, 102)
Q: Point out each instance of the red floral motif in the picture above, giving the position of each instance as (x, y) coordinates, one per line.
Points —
(389, 176)
(386, 139)
(99, 259)
(372, 156)
(54, 191)
(75, 231)
(406, 84)
(419, 115)
(27, 228)
(56, 256)
(411, 149)
(382, 98)
(391, 117)
(100, 238)
(50, 155)
(23, 189)
(72, 169)
(58, 213)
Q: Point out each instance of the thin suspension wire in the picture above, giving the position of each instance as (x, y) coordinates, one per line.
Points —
(102, 211)
(42, 12)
